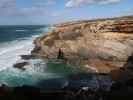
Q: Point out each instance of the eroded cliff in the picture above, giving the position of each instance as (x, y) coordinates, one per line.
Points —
(100, 45)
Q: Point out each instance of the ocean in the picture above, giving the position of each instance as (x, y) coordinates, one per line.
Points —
(18, 40)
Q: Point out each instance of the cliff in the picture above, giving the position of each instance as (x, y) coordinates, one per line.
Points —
(101, 45)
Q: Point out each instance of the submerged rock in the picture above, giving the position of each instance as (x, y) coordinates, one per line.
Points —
(103, 45)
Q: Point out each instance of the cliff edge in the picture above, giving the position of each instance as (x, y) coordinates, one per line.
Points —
(102, 45)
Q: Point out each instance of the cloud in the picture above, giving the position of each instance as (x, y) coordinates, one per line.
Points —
(31, 11)
(42, 3)
(7, 3)
(76, 3)
(7, 7)
(60, 13)
(51, 2)
(39, 8)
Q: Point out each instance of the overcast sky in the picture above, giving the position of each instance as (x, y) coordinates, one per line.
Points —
(53, 11)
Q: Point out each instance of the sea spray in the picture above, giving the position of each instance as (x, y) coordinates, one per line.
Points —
(10, 52)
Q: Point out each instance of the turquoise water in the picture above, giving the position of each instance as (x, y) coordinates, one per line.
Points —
(18, 40)
(39, 70)
(62, 69)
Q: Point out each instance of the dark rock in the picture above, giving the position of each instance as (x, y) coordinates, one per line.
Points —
(129, 83)
(27, 90)
(60, 54)
(36, 49)
(20, 65)
(27, 57)
(4, 89)
(121, 91)
(129, 63)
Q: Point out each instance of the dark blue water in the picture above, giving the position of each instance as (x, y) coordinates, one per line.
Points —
(10, 33)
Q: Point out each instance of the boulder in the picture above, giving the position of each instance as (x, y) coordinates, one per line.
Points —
(20, 65)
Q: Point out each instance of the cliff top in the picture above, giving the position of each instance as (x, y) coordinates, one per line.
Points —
(92, 20)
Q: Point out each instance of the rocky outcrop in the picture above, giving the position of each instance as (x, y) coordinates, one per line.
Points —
(102, 45)
(21, 65)
(27, 57)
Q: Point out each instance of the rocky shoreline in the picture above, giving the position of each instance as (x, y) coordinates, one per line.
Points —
(77, 88)
(103, 47)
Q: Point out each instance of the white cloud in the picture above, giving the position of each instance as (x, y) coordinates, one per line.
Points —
(60, 13)
(7, 3)
(7, 7)
(49, 2)
(42, 3)
(32, 11)
(76, 3)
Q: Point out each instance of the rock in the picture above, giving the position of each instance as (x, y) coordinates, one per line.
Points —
(125, 73)
(27, 91)
(20, 65)
(27, 57)
(103, 45)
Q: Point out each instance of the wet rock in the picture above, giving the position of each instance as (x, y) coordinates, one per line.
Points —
(27, 57)
(20, 65)
(4, 89)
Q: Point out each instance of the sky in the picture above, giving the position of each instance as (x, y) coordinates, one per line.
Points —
(30, 12)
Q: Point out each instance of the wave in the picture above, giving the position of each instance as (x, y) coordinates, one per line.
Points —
(10, 52)
(20, 30)
(36, 71)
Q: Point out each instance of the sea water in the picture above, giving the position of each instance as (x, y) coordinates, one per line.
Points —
(18, 40)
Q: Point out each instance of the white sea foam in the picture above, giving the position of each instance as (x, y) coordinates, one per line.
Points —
(10, 52)
(20, 30)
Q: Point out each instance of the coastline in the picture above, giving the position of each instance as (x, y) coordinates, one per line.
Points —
(97, 46)
(104, 44)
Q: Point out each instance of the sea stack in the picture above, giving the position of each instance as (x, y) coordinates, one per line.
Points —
(102, 44)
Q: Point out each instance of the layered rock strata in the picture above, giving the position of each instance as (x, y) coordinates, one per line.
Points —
(101, 45)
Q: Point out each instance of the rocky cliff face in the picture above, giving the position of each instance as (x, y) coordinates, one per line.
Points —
(100, 45)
